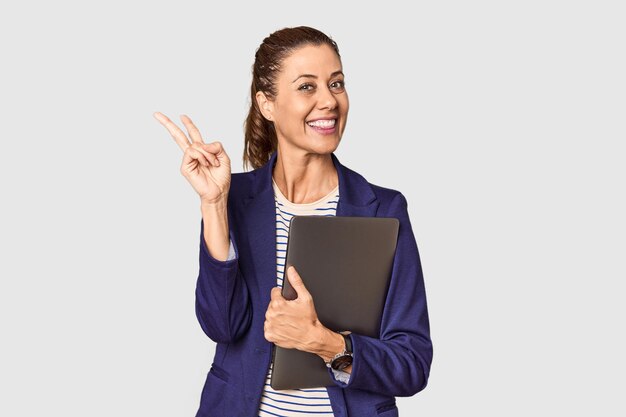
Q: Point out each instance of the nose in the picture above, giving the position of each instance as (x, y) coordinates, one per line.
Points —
(327, 99)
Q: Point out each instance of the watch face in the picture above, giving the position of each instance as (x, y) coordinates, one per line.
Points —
(341, 362)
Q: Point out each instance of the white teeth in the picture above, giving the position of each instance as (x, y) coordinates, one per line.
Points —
(323, 123)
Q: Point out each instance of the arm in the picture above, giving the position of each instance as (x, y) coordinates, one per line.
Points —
(222, 299)
(397, 363)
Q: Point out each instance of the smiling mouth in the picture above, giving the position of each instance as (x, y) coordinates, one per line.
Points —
(323, 124)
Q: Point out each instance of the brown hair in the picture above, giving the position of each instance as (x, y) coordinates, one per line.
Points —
(260, 135)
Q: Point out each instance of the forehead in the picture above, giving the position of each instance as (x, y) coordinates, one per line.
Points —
(319, 60)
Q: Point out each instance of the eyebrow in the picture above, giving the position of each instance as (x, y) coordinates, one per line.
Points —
(315, 76)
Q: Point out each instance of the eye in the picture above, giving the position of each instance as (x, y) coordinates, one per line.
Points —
(305, 85)
(340, 84)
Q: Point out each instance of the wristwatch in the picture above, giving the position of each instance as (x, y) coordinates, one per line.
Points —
(344, 359)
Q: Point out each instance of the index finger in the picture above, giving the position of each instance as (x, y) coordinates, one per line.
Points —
(179, 136)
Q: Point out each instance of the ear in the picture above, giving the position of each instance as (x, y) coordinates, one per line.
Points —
(265, 105)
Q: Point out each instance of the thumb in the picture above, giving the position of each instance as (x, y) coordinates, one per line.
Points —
(296, 281)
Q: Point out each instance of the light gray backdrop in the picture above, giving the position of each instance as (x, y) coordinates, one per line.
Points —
(501, 122)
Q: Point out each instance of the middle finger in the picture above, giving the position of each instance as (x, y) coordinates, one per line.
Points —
(193, 131)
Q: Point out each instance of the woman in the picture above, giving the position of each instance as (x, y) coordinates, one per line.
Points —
(299, 108)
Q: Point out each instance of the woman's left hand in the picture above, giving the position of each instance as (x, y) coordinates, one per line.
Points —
(292, 324)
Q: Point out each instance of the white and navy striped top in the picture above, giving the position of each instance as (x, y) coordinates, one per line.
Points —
(306, 401)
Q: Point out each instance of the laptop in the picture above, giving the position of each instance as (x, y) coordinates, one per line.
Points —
(345, 263)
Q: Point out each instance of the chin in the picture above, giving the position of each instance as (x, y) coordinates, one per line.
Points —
(327, 148)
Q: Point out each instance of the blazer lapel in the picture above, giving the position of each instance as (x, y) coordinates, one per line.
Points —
(356, 198)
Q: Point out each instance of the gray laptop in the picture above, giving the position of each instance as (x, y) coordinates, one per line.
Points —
(345, 262)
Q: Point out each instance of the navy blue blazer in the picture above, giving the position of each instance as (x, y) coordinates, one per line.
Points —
(232, 297)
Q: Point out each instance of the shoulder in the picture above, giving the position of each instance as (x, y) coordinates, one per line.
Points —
(241, 183)
(390, 200)
(242, 179)
(383, 194)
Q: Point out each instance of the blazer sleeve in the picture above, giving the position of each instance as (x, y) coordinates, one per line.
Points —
(223, 305)
(397, 363)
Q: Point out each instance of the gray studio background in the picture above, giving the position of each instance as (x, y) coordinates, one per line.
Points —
(501, 122)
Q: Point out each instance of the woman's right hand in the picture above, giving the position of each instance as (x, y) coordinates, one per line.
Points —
(206, 166)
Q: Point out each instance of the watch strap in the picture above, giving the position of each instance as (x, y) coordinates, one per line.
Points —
(348, 339)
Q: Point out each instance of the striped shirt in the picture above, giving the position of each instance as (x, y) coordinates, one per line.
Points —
(306, 401)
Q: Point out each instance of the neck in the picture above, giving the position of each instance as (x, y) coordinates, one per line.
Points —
(304, 178)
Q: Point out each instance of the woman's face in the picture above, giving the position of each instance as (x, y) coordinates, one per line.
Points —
(310, 109)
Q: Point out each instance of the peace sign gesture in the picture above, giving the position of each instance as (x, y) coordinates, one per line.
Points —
(206, 166)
